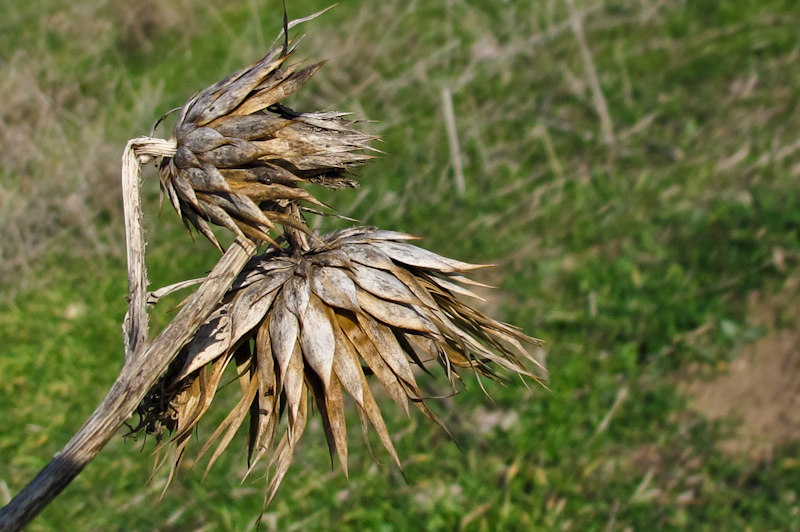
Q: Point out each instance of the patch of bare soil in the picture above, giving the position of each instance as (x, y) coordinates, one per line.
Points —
(761, 388)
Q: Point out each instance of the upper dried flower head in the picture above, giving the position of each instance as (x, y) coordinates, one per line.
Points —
(359, 301)
(241, 153)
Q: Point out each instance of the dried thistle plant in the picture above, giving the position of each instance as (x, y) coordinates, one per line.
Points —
(311, 317)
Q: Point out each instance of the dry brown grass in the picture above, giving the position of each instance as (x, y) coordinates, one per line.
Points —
(42, 201)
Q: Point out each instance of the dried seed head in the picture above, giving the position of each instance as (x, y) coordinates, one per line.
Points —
(241, 153)
(311, 322)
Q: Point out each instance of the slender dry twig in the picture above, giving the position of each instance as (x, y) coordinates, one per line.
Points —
(138, 151)
(600, 104)
(452, 139)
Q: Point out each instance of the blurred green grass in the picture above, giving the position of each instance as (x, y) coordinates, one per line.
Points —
(614, 255)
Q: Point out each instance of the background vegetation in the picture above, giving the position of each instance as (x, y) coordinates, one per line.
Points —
(630, 165)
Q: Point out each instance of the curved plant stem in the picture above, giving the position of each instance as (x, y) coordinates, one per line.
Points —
(138, 151)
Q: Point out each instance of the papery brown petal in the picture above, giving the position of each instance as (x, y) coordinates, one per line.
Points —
(264, 413)
(296, 295)
(202, 227)
(364, 347)
(285, 451)
(186, 403)
(250, 127)
(350, 374)
(203, 139)
(393, 314)
(334, 258)
(206, 179)
(336, 417)
(456, 288)
(383, 285)
(368, 256)
(409, 350)
(422, 258)
(391, 352)
(269, 96)
(173, 197)
(373, 235)
(219, 216)
(249, 306)
(261, 270)
(346, 365)
(184, 158)
(265, 172)
(335, 288)
(331, 408)
(294, 388)
(466, 280)
(270, 82)
(280, 148)
(314, 384)
(258, 192)
(239, 206)
(208, 384)
(284, 329)
(315, 159)
(317, 339)
(236, 152)
(232, 423)
(211, 340)
(220, 98)
(414, 284)
(184, 189)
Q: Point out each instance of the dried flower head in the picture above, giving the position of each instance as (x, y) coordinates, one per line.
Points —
(359, 301)
(241, 153)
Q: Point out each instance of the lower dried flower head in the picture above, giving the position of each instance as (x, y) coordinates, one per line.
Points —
(359, 301)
